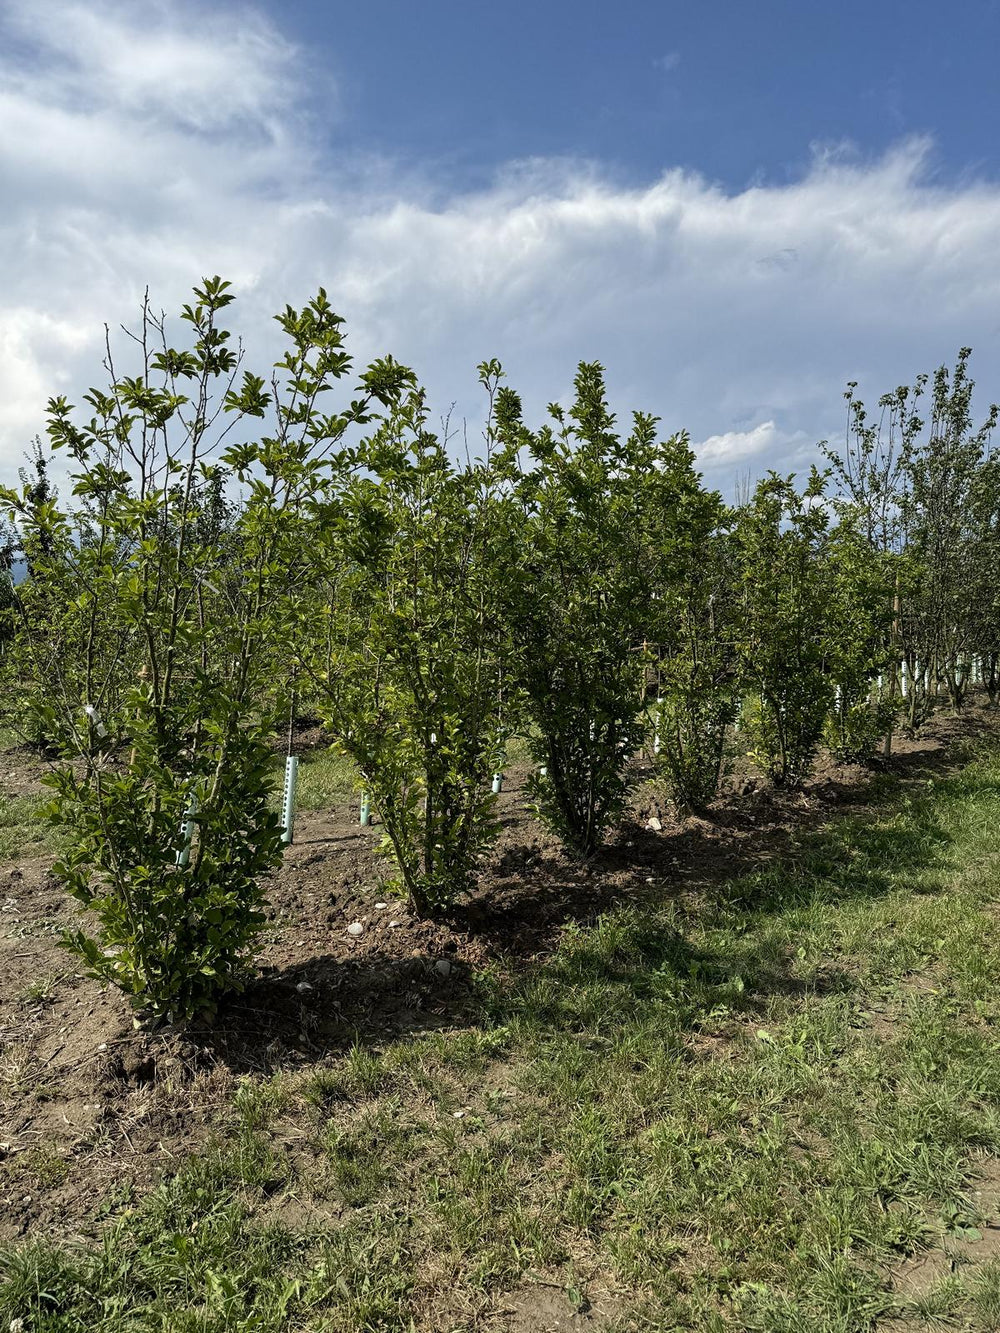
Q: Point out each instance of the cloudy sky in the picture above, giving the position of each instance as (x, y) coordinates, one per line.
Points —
(736, 207)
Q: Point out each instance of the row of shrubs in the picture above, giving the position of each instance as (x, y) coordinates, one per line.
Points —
(224, 548)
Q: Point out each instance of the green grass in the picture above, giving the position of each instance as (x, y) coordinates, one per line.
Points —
(22, 832)
(739, 1110)
(325, 778)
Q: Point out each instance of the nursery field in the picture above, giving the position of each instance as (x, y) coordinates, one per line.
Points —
(732, 1072)
(493, 883)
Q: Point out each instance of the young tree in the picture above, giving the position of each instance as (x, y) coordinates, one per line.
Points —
(689, 617)
(579, 605)
(783, 597)
(870, 475)
(857, 642)
(147, 630)
(410, 652)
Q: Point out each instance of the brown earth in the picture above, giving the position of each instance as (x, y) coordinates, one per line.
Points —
(89, 1103)
(916, 1278)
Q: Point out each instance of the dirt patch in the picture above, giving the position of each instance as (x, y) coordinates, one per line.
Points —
(957, 1252)
(548, 1308)
(88, 1104)
(21, 773)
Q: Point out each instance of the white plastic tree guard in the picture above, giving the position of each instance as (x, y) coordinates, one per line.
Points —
(288, 799)
(187, 831)
(94, 718)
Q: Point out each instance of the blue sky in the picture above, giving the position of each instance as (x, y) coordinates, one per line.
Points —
(737, 207)
(734, 89)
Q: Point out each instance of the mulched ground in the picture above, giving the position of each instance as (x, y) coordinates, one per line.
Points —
(88, 1102)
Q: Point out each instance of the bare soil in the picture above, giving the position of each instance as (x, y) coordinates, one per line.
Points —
(88, 1103)
(916, 1277)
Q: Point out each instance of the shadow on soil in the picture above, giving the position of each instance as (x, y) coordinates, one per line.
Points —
(753, 858)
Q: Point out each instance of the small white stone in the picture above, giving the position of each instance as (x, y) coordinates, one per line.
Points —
(355, 929)
(654, 824)
(442, 967)
(303, 986)
(393, 924)
(458, 1115)
(103, 1046)
(381, 906)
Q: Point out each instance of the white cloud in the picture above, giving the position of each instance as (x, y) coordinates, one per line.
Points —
(736, 446)
(31, 346)
(200, 68)
(154, 145)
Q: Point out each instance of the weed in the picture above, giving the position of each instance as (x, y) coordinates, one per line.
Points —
(42, 990)
(256, 1104)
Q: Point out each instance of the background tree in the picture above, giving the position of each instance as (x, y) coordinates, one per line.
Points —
(939, 512)
(984, 583)
(918, 491)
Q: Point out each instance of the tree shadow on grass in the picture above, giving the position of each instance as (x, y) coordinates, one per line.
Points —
(532, 892)
(611, 963)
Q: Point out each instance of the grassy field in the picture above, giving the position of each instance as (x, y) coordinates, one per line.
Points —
(326, 776)
(770, 1105)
